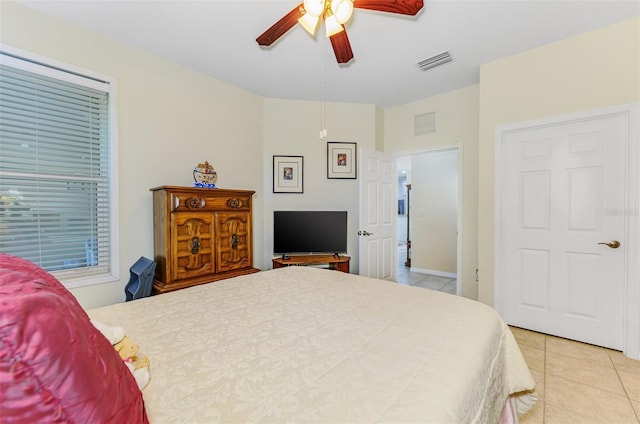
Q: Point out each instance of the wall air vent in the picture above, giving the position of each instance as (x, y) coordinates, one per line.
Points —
(437, 60)
(424, 124)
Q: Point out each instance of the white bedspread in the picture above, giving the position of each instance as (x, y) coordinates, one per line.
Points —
(301, 344)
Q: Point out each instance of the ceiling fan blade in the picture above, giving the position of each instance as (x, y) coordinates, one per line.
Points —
(341, 47)
(403, 7)
(278, 29)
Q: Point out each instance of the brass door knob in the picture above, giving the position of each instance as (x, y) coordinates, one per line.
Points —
(614, 244)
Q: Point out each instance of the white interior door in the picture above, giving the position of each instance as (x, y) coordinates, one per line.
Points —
(562, 188)
(377, 231)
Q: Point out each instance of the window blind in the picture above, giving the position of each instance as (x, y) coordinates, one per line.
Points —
(55, 169)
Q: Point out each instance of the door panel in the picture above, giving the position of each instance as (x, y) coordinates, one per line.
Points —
(583, 285)
(534, 279)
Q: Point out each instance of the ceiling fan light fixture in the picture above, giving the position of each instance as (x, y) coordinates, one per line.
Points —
(309, 23)
(314, 7)
(331, 26)
(342, 10)
(335, 14)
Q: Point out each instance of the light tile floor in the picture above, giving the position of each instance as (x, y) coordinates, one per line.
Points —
(427, 281)
(576, 383)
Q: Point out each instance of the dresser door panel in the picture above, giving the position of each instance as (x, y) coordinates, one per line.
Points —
(193, 253)
(233, 239)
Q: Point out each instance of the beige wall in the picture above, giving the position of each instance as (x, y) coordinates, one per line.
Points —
(379, 130)
(456, 124)
(291, 128)
(434, 207)
(170, 119)
(589, 71)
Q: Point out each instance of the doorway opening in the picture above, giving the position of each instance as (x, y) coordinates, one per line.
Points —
(429, 219)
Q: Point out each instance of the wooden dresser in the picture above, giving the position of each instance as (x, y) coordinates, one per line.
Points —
(200, 235)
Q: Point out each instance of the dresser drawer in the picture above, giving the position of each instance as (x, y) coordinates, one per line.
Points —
(192, 202)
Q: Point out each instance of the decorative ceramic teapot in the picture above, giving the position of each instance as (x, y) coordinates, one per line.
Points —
(205, 175)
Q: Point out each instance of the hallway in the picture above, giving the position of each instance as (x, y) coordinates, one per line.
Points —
(427, 281)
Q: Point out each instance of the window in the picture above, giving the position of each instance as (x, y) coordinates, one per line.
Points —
(58, 194)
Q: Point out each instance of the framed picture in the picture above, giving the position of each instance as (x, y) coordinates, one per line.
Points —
(341, 160)
(287, 174)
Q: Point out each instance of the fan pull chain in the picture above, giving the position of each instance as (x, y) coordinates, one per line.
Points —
(323, 112)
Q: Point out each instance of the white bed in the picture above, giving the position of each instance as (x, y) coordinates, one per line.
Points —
(302, 344)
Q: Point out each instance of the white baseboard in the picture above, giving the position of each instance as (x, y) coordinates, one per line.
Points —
(433, 272)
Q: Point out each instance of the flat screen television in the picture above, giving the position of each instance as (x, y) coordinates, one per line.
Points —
(309, 232)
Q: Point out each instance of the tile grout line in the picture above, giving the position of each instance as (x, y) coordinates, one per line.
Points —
(544, 387)
(626, 392)
(546, 375)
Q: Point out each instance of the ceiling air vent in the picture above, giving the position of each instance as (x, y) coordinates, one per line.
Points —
(437, 60)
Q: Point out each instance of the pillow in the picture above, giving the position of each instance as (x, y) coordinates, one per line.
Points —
(54, 364)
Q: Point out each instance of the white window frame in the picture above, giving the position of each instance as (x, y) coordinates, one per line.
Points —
(63, 71)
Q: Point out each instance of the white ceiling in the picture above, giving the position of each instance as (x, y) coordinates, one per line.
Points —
(218, 39)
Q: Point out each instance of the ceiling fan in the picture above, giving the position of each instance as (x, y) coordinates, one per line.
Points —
(334, 14)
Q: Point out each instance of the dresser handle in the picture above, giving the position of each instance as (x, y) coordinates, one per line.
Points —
(195, 245)
(234, 241)
(233, 203)
(194, 203)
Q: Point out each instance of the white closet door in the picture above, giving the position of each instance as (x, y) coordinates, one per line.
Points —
(563, 186)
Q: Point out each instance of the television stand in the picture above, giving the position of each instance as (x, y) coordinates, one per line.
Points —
(337, 262)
